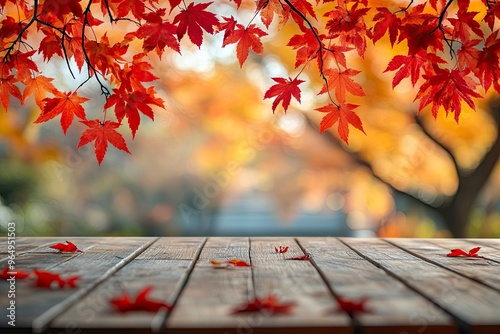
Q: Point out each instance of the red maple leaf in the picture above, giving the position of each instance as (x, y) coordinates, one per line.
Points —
(103, 56)
(267, 10)
(351, 306)
(158, 34)
(410, 66)
(60, 8)
(10, 28)
(230, 263)
(50, 45)
(492, 14)
(8, 89)
(132, 76)
(22, 62)
(468, 54)
(269, 305)
(102, 133)
(488, 70)
(447, 88)
(69, 247)
(349, 26)
(129, 104)
(247, 38)
(344, 115)
(193, 19)
(174, 3)
(130, 6)
(281, 249)
(125, 303)
(307, 47)
(342, 83)
(17, 274)
(459, 252)
(305, 257)
(228, 27)
(284, 90)
(386, 21)
(39, 86)
(65, 104)
(46, 279)
(465, 25)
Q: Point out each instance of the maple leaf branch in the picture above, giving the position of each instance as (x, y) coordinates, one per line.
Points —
(406, 8)
(321, 47)
(104, 90)
(440, 27)
(65, 52)
(21, 32)
(311, 27)
(112, 19)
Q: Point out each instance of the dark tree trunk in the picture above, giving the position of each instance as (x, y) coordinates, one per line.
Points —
(456, 213)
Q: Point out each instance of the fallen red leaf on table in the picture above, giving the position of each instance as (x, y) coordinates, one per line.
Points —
(301, 258)
(125, 303)
(232, 262)
(351, 306)
(69, 247)
(18, 274)
(281, 249)
(459, 252)
(269, 305)
(46, 279)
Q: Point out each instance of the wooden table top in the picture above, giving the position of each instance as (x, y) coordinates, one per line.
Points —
(410, 285)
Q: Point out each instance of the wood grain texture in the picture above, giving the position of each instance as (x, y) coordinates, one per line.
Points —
(164, 265)
(482, 270)
(206, 302)
(296, 281)
(411, 286)
(392, 307)
(35, 307)
(473, 305)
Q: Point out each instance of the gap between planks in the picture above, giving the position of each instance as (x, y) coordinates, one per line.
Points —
(444, 266)
(42, 322)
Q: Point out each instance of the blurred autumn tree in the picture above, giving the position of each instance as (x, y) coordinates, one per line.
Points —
(215, 126)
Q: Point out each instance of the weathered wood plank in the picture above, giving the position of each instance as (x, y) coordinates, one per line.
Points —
(296, 281)
(434, 250)
(35, 307)
(40, 244)
(393, 307)
(493, 243)
(473, 305)
(165, 265)
(206, 302)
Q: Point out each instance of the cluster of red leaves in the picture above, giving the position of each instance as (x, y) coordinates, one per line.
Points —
(459, 252)
(268, 305)
(230, 263)
(281, 249)
(352, 306)
(125, 303)
(49, 280)
(450, 57)
(68, 247)
(18, 274)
